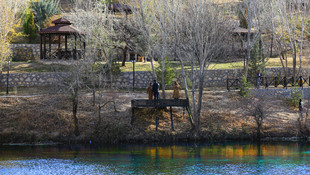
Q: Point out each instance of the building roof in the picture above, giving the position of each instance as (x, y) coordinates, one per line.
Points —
(62, 21)
(117, 7)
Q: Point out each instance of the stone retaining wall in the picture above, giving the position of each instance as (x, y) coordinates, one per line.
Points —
(213, 78)
(25, 51)
(281, 93)
(30, 79)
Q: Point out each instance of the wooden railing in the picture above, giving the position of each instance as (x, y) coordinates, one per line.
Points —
(267, 82)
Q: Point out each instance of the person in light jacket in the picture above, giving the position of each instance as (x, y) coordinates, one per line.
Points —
(176, 90)
(150, 92)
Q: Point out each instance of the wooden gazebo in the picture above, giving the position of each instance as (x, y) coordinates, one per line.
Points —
(58, 33)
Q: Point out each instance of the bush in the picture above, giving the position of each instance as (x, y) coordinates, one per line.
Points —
(29, 27)
(115, 69)
(169, 73)
(257, 60)
(293, 100)
(244, 87)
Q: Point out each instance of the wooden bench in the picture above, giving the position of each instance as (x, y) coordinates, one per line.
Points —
(159, 104)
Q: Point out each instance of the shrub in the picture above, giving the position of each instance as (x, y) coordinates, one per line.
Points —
(169, 73)
(244, 87)
(295, 95)
(29, 26)
(257, 61)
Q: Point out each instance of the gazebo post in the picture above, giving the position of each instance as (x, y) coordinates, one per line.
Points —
(41, 47)
(59, 37)
(44, 46)
(50, 44)
(66, 45)
(74, 56)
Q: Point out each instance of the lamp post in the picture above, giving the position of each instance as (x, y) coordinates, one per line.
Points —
(7, 78)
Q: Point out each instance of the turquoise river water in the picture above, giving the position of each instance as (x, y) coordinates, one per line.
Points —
(228, 158)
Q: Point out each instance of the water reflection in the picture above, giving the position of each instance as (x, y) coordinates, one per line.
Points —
(171, 159)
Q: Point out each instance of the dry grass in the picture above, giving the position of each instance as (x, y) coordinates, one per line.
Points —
(40, 119)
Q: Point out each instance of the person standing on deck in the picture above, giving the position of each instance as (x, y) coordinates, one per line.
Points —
(301, 108)
(155, 89)
(259, 78)
(176, 90)
(150, 92)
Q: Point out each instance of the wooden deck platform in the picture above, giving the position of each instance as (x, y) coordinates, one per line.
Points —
(159, 104)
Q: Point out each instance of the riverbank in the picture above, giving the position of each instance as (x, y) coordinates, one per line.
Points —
(48, 119)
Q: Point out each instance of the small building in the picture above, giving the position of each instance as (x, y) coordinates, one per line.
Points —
(60, 34)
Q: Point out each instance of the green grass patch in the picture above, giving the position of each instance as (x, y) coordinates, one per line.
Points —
(140, 66)
(34, 66)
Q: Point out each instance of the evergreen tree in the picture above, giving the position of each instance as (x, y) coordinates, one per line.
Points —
(170, 73)
(29, 27)
(257, 59)
(43, 10)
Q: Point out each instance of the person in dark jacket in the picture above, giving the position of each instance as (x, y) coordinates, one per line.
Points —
(259, 78)
(155, 89)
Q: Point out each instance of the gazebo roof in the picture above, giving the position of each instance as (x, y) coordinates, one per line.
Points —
(61, 29)
(62, 26)
(62, 21)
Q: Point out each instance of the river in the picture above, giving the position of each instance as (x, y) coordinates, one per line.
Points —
(224, 158)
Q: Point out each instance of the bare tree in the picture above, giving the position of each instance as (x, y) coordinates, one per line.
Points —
(96, 24)
(289, 22)
(144, 19)
(72, 83)
(256, 106)
(192, 31)
(197, 33)
(98, 27)
(258, 17)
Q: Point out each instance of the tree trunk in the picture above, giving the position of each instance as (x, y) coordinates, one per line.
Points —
(200, 94)
(294, 61)
(94, 96)
(163, 78)
(99, 117)
(247, 60)
(271, 45)
(124, 55)
(184, 79)
(152, 63)
(258, 131)
(193, 95)
(74, 110)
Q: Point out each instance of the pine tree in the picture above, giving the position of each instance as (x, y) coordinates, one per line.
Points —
(29, 26)
(170, 73)
(257, 59)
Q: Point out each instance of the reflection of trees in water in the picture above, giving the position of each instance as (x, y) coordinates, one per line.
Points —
(167, 159)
